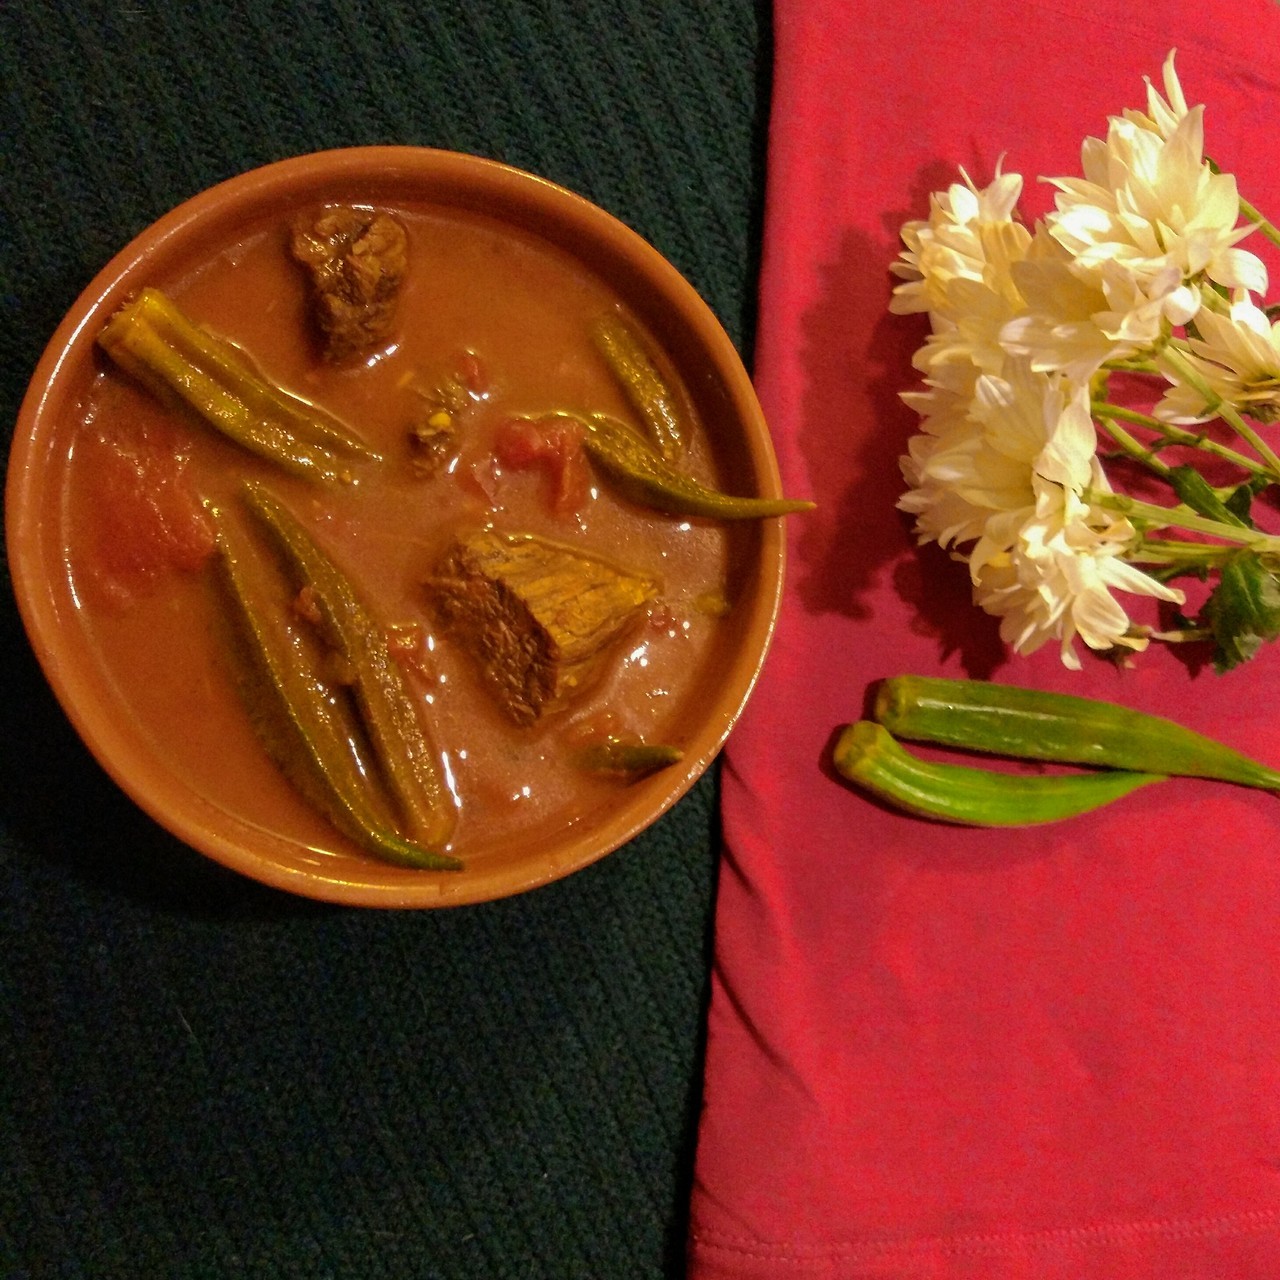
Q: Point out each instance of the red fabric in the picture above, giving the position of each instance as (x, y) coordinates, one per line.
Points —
(939, 1052)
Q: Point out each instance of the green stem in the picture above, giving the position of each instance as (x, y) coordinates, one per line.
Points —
(1265, 225)
(1178, 435)
(1180, 517)
(1170, 551)
(1174, 356)
(1183, 635)
(1213, 298)
(1128, 445)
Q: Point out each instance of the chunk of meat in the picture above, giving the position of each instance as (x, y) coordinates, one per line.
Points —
(539, 617)
(356, 261)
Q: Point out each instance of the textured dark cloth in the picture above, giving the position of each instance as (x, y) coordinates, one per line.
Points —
(203, 1077)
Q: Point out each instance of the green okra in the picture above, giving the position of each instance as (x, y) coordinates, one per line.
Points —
(867, 755)
(1038, 725)
(400, 745)
(154, 341)
(615, 756)
(642, 475)
(311, 734)
(644, 387)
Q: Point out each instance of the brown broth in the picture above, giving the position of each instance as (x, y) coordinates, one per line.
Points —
(524, 309)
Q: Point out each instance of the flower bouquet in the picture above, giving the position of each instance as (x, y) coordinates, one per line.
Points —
(1096, 392)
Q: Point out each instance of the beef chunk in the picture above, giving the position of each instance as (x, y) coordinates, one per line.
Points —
(356, 261)
(539, 617)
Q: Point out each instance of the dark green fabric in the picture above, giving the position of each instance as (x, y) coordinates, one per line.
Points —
(203, 1077)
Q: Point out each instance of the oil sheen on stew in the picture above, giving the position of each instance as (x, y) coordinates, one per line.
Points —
(501, 323)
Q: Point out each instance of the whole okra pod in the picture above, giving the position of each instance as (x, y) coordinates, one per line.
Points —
(867, 755)
(645, 477)
(628, 758)
(644, 386)
(1037, 725)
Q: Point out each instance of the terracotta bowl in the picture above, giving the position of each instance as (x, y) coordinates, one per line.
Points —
(185, 242)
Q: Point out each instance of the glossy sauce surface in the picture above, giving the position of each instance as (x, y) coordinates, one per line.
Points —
(507, 315)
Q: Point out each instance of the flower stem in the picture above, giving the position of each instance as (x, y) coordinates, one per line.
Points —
(1184, 635)
(1174, 356)
(1151, 513)
(1265, 225)
(1128, 445)
(1178, 435)
(1190, 555)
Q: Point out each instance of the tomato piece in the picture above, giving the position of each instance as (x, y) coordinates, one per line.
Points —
(146, 517)
(473, 376)
(553, 445)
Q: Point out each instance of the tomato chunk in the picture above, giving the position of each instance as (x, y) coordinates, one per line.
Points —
(146, 517)
(553, 445)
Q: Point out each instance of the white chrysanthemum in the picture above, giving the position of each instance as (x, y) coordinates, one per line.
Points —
(1011, 475)
(1162, 116)
(1153, 206)
(1053, 575)
(937, 466)
(970, 235)
(1072, 321)
(1238, 357)
(969, 335)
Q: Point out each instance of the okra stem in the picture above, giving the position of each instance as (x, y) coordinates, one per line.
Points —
(644, 477)
(866, 754)
(1040, 725)
(628, 757)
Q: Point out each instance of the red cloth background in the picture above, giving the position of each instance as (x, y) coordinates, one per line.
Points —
(937, 1052)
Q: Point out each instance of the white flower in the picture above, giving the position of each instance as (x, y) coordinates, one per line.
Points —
(1238, 358)
(1162, 117)
(1073, 322)
(971, 235)
(1151, 204)
(1026, 326)
(938, 465)
(969, 335)
(1054, 579)
(1012, 476)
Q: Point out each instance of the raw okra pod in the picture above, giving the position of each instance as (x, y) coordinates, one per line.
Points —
(1038, 725)
(867, 754)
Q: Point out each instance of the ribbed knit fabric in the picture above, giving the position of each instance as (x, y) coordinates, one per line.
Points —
(200, 1077)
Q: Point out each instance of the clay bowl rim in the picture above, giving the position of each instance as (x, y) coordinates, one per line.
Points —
(628, 263)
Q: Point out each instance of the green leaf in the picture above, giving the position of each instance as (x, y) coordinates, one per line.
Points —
(1243, 610)
(1240, 500)
(1198, 494)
